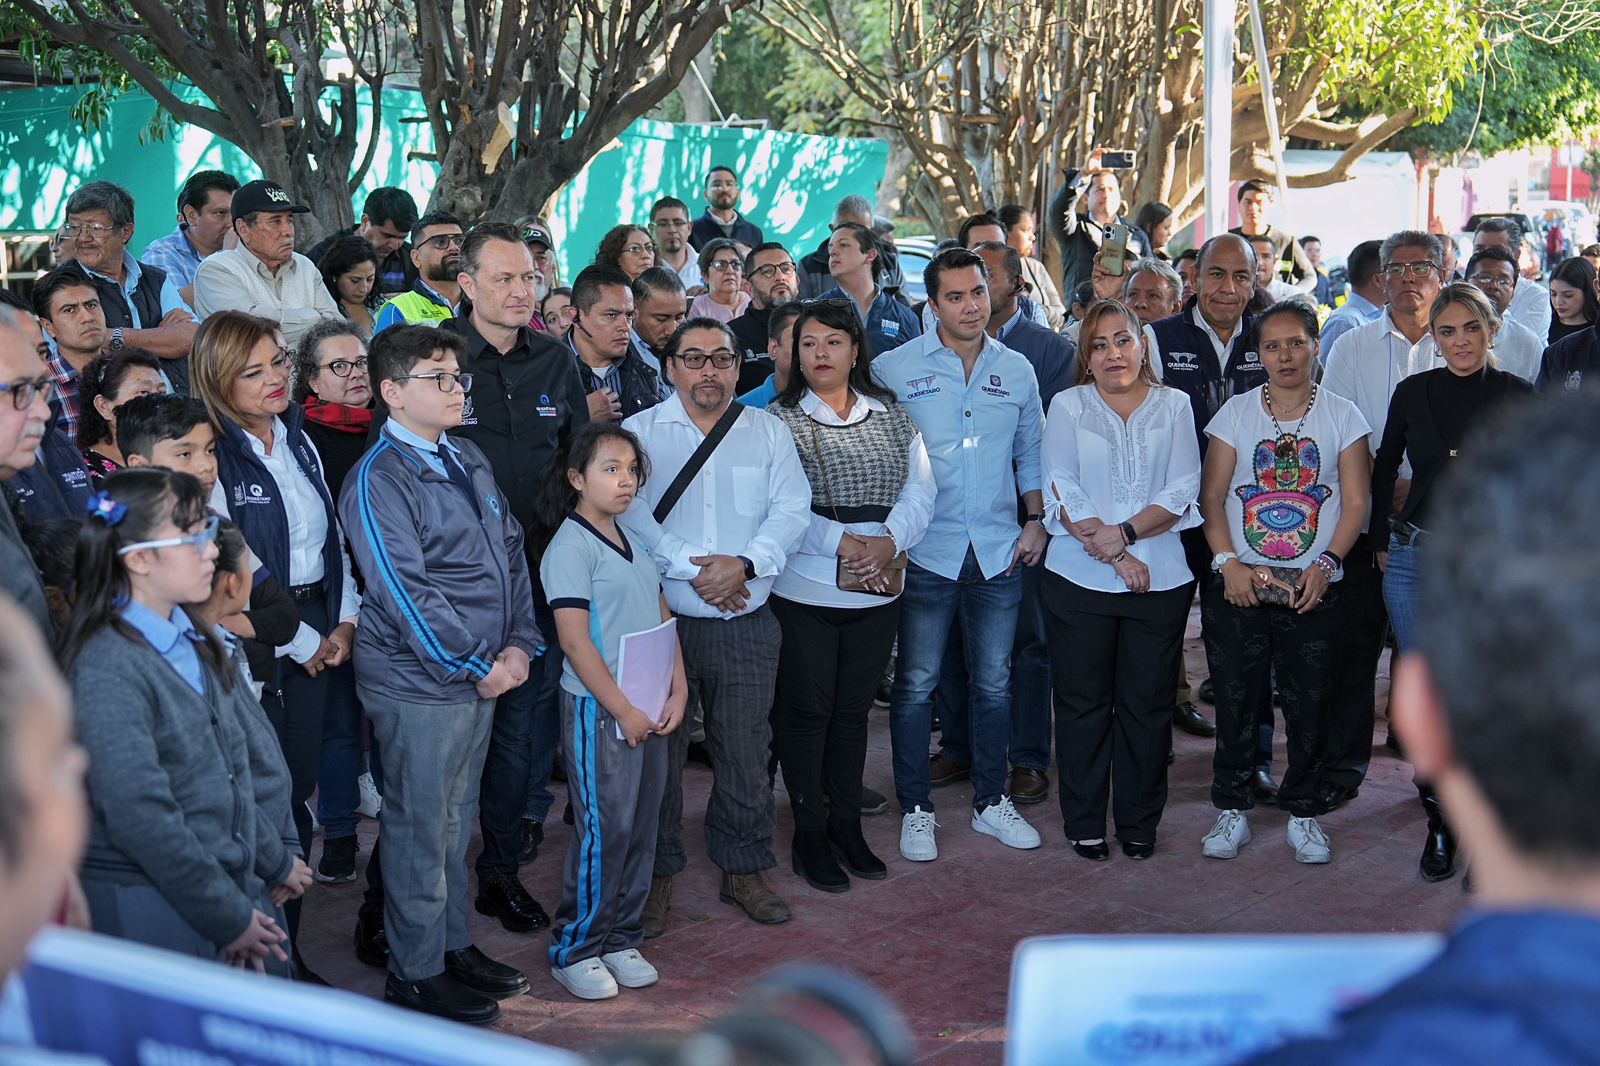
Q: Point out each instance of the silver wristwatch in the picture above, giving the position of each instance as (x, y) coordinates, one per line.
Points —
(116, 344)
(1219, 560)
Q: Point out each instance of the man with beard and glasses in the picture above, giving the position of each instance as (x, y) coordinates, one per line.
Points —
(436, 252)
(771, 273)
(721, 219)
(669, 227)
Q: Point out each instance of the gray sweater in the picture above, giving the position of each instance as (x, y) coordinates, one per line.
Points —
(188, 794)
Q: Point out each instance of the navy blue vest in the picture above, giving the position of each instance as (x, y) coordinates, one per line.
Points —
(257, 506)
(1189, 364)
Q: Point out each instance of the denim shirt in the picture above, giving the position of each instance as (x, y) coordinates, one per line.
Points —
(888, 322)
(983, 436)
(173, 638)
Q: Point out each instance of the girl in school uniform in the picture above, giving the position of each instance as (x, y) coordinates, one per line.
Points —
(191, 847)
(602, 584)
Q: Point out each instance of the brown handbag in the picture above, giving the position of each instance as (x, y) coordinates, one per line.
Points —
(1279, 586)
(894, 571)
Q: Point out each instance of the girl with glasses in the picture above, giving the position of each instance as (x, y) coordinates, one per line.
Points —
(191, 847)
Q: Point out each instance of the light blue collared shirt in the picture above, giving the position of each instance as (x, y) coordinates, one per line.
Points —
(763, 395)
(1355, 311)
(175, 255)
(428, 449)
(173, 639)
(170, 300)
(983, 436)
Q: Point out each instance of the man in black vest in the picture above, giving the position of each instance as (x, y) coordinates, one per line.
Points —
(142, 308)
(25, 387)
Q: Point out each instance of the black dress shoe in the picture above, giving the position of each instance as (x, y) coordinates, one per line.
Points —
(482, 974)
(1334, 797)
(813, 860)
(503, 897)
(372, 943)
(1095, 852)
(1263, 787)
(529, 836)
(854, 854)
(1187, 717)
(1027, 786)
(1137, 851)
(1438, 862)
(1208, 692)
(873, 802)
(442, 996)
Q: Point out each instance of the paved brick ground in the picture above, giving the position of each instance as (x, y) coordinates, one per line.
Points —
(938, 937)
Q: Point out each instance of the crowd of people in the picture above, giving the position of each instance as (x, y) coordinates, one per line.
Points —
(370, 524)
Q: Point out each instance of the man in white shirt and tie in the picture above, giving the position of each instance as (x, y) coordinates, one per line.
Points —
(719, 545)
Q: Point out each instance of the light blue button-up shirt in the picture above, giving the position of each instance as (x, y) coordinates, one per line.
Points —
(173, 638)
(427, 448)
(983, 436)
(1355, 311)
(170, 299)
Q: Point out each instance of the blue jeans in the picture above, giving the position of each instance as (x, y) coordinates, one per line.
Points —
(1030, 688)
(986, 611)
(1400, 586)
(545, 729)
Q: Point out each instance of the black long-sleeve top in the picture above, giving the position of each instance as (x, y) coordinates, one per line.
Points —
(1429, 416)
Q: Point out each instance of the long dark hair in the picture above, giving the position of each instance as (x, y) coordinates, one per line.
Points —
(148, 496)
(344, 253)
(104, 377)
(1579, 273)
(557, 497)
(840, 315)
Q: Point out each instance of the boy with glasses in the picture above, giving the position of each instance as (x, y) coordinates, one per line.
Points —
(433, 656)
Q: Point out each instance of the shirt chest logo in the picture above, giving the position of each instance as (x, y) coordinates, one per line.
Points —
(243, 494)
(917, 388)
(1252, 359)
(889, 327)
(1574, 381)
(468, 417)
(1183, 361)
(995, 388)
(545, 408)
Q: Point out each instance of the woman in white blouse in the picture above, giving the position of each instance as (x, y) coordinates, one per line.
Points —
(872, 495)
(1122, 475)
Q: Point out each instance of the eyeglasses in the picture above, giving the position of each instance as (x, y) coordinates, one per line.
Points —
(198, 540)
(1416, 270)
(727, 266)
(95, 230)
(694, 358)
(446, 382)
(23, 392)
(1493, 281)
(639, 249)
(772, 270)
(671, 223)
(445, 240)
(341, 367)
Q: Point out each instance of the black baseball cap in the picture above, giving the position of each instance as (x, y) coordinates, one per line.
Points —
(263, 195)
(537, 235)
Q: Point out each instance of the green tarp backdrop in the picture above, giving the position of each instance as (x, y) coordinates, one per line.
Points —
(791, 181)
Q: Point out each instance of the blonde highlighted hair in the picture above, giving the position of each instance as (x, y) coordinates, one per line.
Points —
(222, 347)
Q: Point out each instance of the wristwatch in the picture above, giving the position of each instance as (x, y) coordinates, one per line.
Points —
(1221, 559)
(1039, 518)
(116, 344)
(749, 568)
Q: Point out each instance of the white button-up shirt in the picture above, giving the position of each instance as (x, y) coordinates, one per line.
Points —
(1530, 305)
(1098, 466)
(813, 571)
(1518, 350)
(1367, 363)
(751, 498)
(233, 279)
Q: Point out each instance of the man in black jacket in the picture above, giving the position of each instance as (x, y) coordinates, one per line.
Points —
(602, 298)
(770, 270)
(721, 218)
(1080, 235)
(814, 276)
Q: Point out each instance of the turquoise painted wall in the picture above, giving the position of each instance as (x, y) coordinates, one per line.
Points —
(791, 181)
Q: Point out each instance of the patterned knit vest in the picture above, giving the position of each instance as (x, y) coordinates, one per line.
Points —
(866, 463)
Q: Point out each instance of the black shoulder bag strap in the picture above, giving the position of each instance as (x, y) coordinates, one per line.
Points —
(697, 460)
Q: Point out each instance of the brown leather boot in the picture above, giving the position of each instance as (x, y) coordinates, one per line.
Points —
(750, 892)
(656, 906)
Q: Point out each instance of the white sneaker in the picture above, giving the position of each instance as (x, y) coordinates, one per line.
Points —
(371, 802)
(1230, 834)
(588, 979)
(916, 836)
(1309, 842)
(630, 969)
(1001, 821)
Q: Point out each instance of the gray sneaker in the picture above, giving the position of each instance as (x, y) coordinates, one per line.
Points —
(1309, 842)
(1230, 834)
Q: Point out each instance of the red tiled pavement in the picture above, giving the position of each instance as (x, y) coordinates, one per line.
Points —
(937, 937)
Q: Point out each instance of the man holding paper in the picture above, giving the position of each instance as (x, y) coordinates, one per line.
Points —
(729, 501)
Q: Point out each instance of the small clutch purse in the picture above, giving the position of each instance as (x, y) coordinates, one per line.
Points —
(893, 575)
(1279, 586)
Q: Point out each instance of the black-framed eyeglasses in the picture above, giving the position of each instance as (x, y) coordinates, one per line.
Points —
(340, 368)
(446, 382)
(445, 241)
(1416, 270)
(728, 266)
(694, 358)
(24, 392)
(772, 270)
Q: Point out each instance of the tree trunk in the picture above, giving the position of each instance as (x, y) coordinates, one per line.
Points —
(696, 100)
(892, 193)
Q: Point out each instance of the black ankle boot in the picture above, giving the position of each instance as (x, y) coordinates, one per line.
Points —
(813, 860)
(851, 847)
(1439, 850)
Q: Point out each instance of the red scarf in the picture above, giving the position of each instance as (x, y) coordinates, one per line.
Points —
(338, 416)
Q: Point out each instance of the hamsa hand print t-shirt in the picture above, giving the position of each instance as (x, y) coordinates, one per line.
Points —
(1283, 498)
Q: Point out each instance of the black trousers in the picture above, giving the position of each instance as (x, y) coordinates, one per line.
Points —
(297, 712)
(828, 671)
(1246, 646)
(1114, 658)
(1355, 675)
